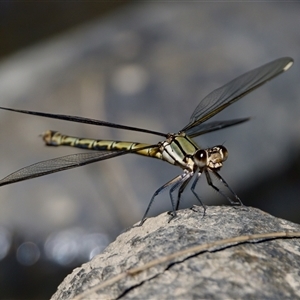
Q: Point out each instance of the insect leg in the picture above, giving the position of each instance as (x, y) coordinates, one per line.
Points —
(180, 191)
(175, 182)
(209, 181)
(184, 180)
(194, 192)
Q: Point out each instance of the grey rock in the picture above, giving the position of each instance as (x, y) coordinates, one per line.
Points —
(183, 267)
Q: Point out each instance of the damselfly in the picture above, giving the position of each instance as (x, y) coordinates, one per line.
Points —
(177, 149)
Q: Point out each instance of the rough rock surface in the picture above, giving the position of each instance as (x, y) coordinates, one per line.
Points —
(265, 268)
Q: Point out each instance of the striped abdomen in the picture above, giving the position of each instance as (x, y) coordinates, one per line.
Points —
(54, 138)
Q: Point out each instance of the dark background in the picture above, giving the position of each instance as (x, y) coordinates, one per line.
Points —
(146, 65)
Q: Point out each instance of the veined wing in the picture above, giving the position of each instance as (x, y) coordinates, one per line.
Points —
(203, 128)
(62, 163)
(236, 89)
(84, 120)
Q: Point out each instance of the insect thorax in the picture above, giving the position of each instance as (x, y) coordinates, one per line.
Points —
(181, 150)
(178, 149)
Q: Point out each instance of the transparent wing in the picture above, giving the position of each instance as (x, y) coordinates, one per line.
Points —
(84, 120)
(62, 163)
(236, 89)
(203, 128)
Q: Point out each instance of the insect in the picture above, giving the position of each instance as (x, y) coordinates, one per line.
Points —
(178, 149)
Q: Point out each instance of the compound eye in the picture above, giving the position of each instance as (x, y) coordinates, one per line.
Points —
(224, 152)
(201, 158)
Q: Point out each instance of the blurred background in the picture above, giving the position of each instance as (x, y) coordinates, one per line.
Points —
(146, 65)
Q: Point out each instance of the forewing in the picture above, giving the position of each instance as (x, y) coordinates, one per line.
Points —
(236, 89)
(83, 120)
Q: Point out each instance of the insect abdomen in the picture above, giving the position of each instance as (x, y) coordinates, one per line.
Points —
(54, 138)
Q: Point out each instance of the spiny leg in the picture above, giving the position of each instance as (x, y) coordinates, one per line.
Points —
(180, 191)
(209, 181)
(194, 192)
(185, 178)
(174, 181)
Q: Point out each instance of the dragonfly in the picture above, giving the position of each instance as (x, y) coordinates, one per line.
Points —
(178, 149)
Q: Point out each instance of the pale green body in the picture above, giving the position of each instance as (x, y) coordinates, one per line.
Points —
(177, 149)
